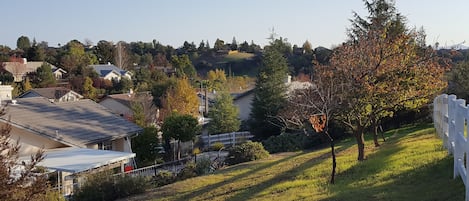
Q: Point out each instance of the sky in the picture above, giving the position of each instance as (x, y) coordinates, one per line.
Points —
(171, 22)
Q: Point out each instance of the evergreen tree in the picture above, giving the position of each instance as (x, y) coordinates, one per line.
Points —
(88, 90)
(270, 94)
(23, 43)
(45, 76)
(224, 115)
(234, 44)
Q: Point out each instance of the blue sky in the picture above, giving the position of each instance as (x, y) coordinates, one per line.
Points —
(171, 22)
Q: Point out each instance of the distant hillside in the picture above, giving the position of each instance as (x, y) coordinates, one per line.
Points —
(233, 62)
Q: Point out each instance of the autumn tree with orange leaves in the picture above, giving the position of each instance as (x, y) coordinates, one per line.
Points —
(384, 68)
(182, 99)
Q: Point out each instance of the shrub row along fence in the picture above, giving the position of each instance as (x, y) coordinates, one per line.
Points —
(228, 139)
(451, 119)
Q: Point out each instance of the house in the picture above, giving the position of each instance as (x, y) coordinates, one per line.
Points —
(244, 100)
(54, 94)
(121, 104)
(39, 122)
(58, 73)
(168, 70)
(110, 72)
(21, 67)
(77, 136)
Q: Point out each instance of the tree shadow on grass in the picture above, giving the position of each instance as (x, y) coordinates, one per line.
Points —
(289, 175)
(379, 163)
(234, 178)
(432, 181)
(427, 181)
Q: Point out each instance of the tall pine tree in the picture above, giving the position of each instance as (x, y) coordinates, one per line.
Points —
(224, 115)
(269, 94)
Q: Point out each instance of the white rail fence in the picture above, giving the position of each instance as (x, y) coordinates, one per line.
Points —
(451, 120)
(150, 171)
(228, 139)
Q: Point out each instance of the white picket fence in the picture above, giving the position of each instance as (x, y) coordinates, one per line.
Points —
(451, 119)
(228, 139)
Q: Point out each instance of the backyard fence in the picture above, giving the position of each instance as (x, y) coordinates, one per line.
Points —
(174, 166)
(451, 118)
(228, 139)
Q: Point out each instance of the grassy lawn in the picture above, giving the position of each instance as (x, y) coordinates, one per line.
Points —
(237, 56)
(410, 165)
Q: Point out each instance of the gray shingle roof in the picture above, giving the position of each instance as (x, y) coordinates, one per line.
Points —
(75, 123)
(103, 70)
(50, 93)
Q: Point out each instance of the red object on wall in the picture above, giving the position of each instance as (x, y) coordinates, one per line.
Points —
(128, 168)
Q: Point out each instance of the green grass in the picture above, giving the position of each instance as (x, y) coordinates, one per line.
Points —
(237, 56)
(410, 165)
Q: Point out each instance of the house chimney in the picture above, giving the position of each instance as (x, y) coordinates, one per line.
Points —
(5, 92)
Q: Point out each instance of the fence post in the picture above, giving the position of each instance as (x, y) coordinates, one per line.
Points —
(451, 122)
(458, 109)
(444, 120)
(233, 139)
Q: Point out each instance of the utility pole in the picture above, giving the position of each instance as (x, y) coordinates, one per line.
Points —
(206, 99)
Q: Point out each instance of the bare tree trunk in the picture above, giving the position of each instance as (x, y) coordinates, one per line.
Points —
(382, 133)
(361, 144)
(334, 163)
(375, 135)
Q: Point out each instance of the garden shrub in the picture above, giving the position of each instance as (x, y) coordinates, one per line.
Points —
(104, 186)
(129, 185)
(248, 151)
(187, 172)
(164, 177)
(217, 146)
(202, 166)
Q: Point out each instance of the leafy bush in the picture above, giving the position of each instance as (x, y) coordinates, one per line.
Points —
(129, 185)
(104, 186)
(217, 146)
(164, 177)
(187, 172)
(290, 142)
(203, 165)
(248, 151)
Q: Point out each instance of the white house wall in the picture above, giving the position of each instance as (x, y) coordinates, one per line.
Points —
(244, 105)
(111, 76)
(31, 143)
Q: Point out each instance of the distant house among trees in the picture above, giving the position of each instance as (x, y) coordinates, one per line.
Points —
(168, 70)
(20, 67)
(54, 94)
(244, 100)
(110, 72)
(125, 105)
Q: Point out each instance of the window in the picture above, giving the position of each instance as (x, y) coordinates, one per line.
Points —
(105, 145)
